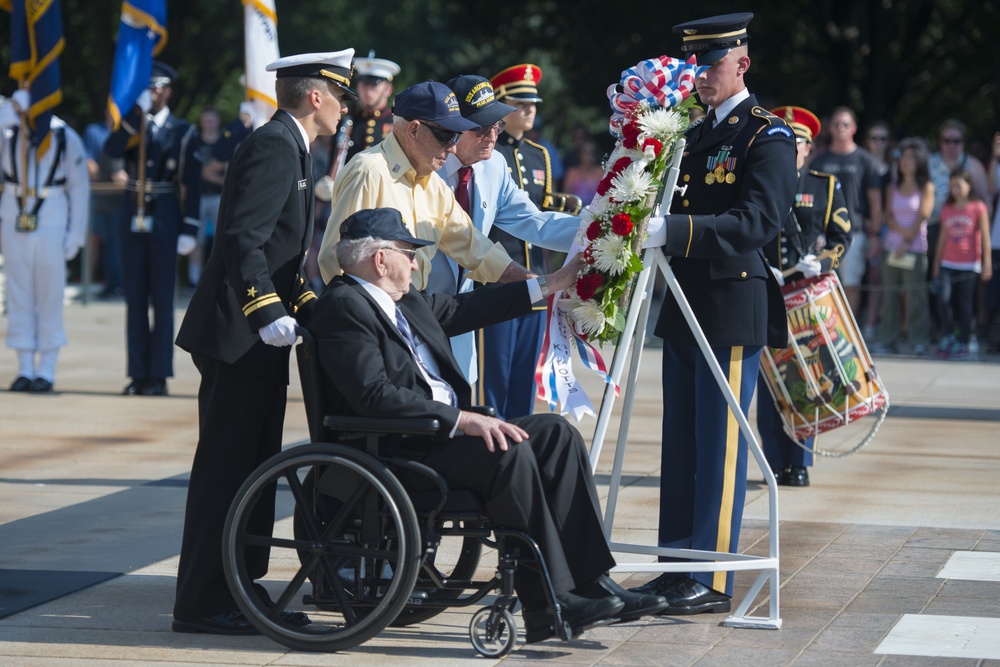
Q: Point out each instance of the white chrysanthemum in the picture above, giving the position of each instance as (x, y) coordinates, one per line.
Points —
(600, 209)
(633, 184)
(661, 123)
(610, 253)
(588, 317)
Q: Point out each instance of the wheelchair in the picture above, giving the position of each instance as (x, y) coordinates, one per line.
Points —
(362, 552)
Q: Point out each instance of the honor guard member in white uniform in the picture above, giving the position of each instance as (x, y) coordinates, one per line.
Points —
(818, 221)
(43, 224)
(371, 115)
(739, 169)
(509, 351)
(167, 226)
(240, 325)
(484, 188)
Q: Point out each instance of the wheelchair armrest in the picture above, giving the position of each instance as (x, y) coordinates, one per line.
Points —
(486, 410)
(372, 425)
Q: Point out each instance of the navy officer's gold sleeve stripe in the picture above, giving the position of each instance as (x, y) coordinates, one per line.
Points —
(305, 296)
(260, 302)
(687, 252)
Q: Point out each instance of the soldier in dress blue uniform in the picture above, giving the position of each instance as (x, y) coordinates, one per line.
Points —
(371, 115)
(155, 226)
(739, 169)
(815, 234)
(508, 352)
(241, 324)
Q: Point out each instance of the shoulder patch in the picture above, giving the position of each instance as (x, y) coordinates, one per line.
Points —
(779, 129)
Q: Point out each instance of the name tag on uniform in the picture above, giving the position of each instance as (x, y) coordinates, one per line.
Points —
(302, 184)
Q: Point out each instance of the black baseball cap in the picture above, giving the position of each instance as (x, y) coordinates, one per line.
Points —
(379, 223)
(477, 100)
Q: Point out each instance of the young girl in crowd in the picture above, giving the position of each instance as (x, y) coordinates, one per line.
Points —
(909, 200)
(963, 251)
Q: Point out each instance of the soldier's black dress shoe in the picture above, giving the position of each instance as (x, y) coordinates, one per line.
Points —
(134, 388)
(231, 623)
(636, 606)
(690, 597)
(660, 585)
(579, 612)
(154, 388)
(21, 383)
(40, 386)
(794, 476)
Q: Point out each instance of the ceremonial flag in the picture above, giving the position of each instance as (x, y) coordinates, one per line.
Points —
(36, 40)
(260, 43)
(142, 34)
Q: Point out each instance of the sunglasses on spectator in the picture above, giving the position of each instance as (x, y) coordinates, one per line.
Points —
(497, 127)
(446, 138)
(951, 140)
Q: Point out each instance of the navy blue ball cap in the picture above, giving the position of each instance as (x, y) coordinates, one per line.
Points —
(379, 223)
(477, 101)
(711, 39)
(434, 102)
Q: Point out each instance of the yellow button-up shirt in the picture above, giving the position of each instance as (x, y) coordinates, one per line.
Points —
(382, 177)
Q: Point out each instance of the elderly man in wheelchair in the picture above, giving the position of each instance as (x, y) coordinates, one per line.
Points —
(415, 466)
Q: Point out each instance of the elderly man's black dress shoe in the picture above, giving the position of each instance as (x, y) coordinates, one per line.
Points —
(231, 623)
(690, 597)
(636, 606)
(579, 612)
(21, 383)
(660, 585)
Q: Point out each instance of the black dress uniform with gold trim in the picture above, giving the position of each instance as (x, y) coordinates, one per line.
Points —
(531, 169)
(369, 129)
(740, 183)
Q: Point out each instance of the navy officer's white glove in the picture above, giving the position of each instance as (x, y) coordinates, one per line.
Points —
(186, 244)
(809, 266)
(279, 333)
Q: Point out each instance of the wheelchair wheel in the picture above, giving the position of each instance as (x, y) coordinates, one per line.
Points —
(369, 547)
(464, 567)
(493, 633)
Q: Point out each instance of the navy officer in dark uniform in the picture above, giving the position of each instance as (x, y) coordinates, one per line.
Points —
(508, 352)
(739, 169)
(814, 236)
(155, 224)
(241, 322)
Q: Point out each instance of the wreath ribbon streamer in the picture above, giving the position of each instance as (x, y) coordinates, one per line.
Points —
(662, 82)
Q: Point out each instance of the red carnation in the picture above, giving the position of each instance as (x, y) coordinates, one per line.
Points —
(588, 256)
(587, 286)
(604, 185)
(621, 224)
(655, 143)
(630, 135)
(594, 230)
(620, 165)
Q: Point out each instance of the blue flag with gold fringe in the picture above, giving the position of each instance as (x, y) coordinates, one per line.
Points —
(142, 34)
(36, 40)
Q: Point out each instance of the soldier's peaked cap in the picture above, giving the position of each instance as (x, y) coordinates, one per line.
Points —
(711, 39)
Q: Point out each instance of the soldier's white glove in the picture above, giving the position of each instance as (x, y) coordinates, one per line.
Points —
(21, 99)
(809, 266)
(279, 333)
(186, 244)
(324, 189)
(777, 275)
(247, 113)
(70, 250)
(144, 101)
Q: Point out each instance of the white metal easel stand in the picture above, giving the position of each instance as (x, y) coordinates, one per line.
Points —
(630, 350)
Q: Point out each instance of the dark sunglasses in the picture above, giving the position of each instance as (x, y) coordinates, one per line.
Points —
(446, 138)
(498, 126)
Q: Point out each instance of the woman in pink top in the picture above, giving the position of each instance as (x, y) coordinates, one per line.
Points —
(963, 251)
(909, 200)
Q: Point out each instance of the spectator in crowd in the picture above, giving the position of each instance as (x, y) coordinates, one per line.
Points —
(961, 259)
(104, 205)
(582, 179)
(993, 300)
(198, 156)
(857, 172)
(878, 142)
(909, 200)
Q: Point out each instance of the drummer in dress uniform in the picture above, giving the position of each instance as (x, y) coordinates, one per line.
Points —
(155, 232)
(739, 169)
(371, 115)
(508, 352)
(814, 236)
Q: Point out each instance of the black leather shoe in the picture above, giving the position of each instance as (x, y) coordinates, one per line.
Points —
(154, 388)
(691, 597)
(21, 383)
(578, 612)
(40, 386)
(232, 623)
(660, 585)
(134, 388)
(794, 476)
(637, 605)
(780, 476)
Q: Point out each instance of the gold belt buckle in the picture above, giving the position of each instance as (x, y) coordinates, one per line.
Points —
(27, 222)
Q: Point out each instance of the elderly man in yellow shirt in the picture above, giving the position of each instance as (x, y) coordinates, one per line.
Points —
(399, 174)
